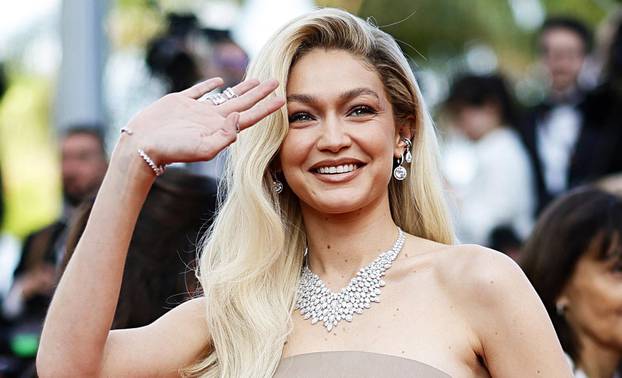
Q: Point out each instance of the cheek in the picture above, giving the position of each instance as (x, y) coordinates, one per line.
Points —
(294, 152)
(597, 307)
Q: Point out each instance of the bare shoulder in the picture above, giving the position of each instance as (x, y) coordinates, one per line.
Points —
(479, 274)
(502, 309)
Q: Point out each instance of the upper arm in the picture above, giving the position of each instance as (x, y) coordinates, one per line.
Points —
(174, 341)
(516, 335)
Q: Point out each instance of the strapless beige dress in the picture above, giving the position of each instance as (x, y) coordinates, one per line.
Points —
(351, 364)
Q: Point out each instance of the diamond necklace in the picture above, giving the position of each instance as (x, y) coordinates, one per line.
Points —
(317, 302)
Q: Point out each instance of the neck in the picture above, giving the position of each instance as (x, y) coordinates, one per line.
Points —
(597, 360)
(563, 94)
(341, 244)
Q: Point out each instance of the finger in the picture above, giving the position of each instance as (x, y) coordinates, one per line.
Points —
(260, 111)
(249, 99)
(223, 137)
(239, 90)
(245, 86)
(202, 88)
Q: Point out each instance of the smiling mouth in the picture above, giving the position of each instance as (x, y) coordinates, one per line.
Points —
(337, 169)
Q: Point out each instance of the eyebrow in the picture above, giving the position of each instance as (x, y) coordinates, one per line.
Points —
(343, 97)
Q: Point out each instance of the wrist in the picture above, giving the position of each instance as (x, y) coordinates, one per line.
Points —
(127, 161)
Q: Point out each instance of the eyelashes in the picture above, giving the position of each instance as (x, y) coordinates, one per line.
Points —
(362, 110)
(300, 117)
(358, 111)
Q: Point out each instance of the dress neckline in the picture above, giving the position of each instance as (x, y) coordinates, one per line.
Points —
(383, 355)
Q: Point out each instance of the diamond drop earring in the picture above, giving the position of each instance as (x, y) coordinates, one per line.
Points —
(400, 172)
(277, 185)
(409, 145)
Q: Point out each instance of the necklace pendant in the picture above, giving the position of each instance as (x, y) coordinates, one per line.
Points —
(316, 302)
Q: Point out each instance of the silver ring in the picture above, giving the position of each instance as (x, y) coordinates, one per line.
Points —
(218, 99)
(230, 93)
(214, 98)
(126, 130)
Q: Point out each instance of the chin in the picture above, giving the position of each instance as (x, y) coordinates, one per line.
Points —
(340, 204)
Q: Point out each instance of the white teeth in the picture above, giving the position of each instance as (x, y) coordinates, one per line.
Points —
(337, 169)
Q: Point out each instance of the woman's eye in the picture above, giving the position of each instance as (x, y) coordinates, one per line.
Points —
(361, 110)
(300, 117)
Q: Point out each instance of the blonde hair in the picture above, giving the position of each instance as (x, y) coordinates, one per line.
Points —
(253, 256)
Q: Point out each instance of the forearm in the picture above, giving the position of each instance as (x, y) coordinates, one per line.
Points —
(82, 310)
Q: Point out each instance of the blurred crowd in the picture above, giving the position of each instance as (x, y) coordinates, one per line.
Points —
(542, 184)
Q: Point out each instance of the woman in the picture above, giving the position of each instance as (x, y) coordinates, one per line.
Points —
(477, 159)
(314, 176)
(573, 259)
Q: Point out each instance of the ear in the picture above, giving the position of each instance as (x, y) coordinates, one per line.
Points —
(561, 304)
(405, 130)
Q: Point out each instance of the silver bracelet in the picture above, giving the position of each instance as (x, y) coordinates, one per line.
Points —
(157, 169)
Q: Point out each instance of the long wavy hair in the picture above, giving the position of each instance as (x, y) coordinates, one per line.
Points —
(252, 259)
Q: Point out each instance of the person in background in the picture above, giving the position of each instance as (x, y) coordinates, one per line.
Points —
(602, 120)
(83, 165)
(552, 130)
(9, 249)
(574, 261)
(486, 165)
(172, 57)
(9, 253)
(159, 271)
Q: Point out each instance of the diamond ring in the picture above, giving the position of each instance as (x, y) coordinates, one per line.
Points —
(215, 98)
(230, 93)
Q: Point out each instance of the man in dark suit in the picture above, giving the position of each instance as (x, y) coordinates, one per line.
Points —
(84, 164)
(553, 132)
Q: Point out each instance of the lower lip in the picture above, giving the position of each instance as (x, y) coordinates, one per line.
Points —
(338, 177)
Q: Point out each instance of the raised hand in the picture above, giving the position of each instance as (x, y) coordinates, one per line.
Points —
(181, 128)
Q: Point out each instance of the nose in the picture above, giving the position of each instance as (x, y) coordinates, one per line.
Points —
(334, 136)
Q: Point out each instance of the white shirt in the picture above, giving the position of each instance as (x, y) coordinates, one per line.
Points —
(557, 137)
(491, 182)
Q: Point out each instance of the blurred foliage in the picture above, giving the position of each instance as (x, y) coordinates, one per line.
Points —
(590, 11)
(352, 6)
(29, 159)
(132, 23)
(441, 29)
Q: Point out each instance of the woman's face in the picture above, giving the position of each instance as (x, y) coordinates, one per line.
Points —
(477, 121)
(594, 300)
(337, 156)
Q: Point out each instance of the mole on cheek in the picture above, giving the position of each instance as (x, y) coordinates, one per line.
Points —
(328, 246)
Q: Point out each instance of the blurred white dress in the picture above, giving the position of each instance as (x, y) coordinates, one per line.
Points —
(490, 183)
